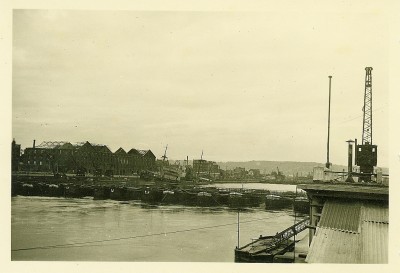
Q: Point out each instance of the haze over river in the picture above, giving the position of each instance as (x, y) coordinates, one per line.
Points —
(62, 229)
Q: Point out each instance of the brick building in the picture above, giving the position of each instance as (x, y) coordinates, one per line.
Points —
(205, 168)
(85, 158)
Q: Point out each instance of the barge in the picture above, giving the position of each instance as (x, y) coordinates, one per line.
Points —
(277, 202)
(265, 248)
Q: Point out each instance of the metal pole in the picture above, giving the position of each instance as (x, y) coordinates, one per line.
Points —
(295, 218)
(238, 230)
(329, 124)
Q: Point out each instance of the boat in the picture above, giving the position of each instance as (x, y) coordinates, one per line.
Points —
(205, 199)
(265, 248)
(101, 193)
(188, 197)
(276, 202)
(172, 173)
(152, 195)
(262, 250)
(170, 197)
(237, 200)
(301, 205)
(223, 197)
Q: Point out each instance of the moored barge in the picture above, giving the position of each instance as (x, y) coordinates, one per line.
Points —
(277, 202)
(265, 248)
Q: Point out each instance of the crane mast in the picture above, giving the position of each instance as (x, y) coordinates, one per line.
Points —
(367, 109)
(164, 157)
(366, 153)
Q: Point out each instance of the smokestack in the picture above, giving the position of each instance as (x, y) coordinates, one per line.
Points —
(350, 161)
(34, 143)
(355, 153)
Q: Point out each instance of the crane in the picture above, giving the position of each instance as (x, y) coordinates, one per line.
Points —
(164, 157)
(366, 152)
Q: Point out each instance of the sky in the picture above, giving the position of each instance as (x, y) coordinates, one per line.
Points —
(237, 85)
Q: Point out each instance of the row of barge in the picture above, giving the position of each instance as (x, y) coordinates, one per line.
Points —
(188, 196)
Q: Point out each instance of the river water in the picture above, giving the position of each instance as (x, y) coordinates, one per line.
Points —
(61, 229)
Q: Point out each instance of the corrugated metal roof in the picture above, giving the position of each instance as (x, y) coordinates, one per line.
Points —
(359, 235)
(339, 215)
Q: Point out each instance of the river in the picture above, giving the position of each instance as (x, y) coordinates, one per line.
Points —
(62, 229)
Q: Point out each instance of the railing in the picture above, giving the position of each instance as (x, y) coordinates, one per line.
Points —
(291, 231)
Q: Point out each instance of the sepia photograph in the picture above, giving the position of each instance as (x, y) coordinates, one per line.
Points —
(205, 134)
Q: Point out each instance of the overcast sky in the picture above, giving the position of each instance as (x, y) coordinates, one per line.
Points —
(238, 85)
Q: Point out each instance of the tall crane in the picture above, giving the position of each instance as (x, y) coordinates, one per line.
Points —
(366, 153)
(367, 109)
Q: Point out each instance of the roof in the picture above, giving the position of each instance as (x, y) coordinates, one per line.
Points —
(142, 152)
(92, 144)
(351, 232)
(120, 151)
(51, 144)
(354, 190)
(139, 152)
